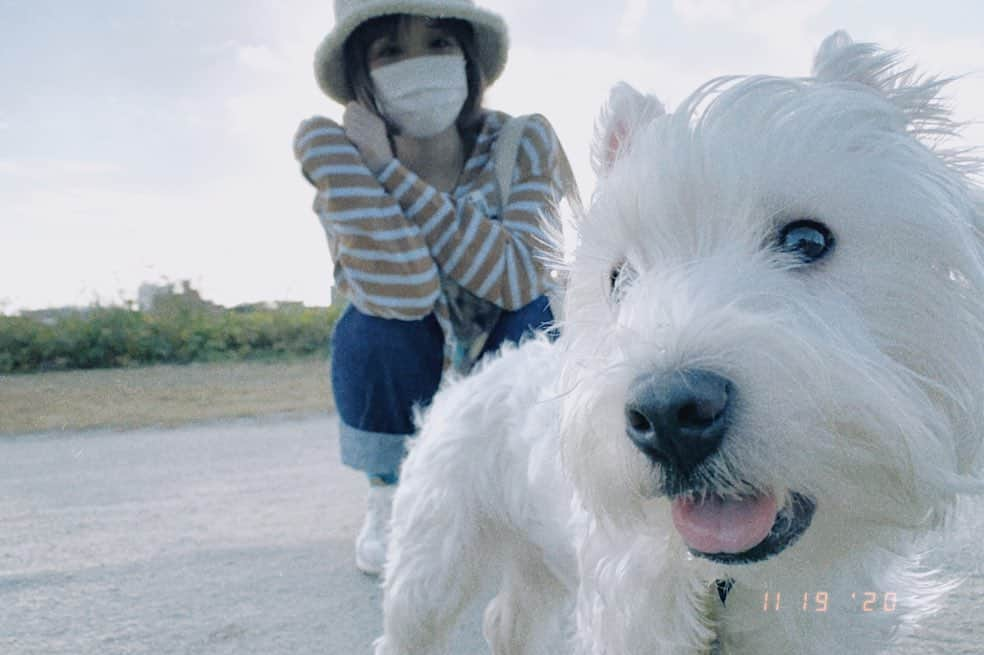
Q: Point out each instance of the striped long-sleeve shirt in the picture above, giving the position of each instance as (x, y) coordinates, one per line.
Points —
(392, 235)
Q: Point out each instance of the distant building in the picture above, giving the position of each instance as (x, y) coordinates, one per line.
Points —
(149, 295)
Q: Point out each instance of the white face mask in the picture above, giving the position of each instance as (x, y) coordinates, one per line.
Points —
(422, 96)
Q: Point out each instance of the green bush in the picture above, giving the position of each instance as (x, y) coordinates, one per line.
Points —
(181, 329)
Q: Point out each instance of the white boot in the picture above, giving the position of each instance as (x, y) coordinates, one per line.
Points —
(370, 546)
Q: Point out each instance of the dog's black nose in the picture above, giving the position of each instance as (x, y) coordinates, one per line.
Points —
(678, 418)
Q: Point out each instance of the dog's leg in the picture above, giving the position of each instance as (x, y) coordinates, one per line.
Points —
(468, 500)
(438, 554)
(532, 614)
(443, 541)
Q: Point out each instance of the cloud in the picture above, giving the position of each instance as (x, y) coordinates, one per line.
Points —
(782, 35)
(54, 169)
(241, 239)
(784, 25)
(255, 58)
(262, 59)
(630, 23)
(748, 15)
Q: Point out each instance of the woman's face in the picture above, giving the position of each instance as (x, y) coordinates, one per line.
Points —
(416, 37)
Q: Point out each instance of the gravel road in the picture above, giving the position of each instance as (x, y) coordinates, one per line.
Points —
(221, 538)
(233, 538)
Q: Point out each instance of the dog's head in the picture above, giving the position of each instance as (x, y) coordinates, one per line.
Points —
(775, 328)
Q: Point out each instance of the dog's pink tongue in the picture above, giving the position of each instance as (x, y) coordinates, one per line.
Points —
(717, 525)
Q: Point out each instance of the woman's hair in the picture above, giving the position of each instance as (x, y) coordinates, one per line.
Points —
(356, 58)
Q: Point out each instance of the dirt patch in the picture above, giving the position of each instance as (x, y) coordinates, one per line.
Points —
(161, 395)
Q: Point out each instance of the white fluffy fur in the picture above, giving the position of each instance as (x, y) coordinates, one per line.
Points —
(861, 379)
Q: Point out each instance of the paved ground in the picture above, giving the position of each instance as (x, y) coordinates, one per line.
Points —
(233, 538)
(226, 538)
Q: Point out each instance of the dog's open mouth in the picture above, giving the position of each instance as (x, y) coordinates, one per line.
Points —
(741, 531)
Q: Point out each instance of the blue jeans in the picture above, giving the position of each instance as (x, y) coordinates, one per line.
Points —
(382, 368)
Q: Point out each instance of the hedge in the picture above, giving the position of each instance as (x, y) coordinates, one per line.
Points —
(177, 332)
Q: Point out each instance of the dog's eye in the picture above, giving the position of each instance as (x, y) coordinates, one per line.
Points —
(619, 279)
(613, 277)
(807, 239)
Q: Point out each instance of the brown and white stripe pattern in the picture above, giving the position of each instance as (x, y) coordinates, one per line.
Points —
(394, 235)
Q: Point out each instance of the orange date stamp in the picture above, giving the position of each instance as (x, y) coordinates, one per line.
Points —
(820, 601)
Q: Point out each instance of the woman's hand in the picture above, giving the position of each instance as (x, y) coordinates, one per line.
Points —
(367, 132)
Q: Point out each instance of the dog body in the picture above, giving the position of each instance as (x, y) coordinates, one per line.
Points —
(768, 389)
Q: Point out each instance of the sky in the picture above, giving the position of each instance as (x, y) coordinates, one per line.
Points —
(150, 141)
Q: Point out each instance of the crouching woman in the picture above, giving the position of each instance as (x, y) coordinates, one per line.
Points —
(439, 269)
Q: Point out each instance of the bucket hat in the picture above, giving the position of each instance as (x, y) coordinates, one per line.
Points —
(491, 36)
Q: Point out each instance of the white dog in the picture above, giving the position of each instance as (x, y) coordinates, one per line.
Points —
(768, 388)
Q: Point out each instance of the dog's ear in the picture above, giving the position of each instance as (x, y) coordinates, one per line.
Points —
(830, 60)
(625, 111)
(840, 59)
